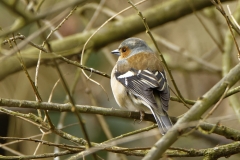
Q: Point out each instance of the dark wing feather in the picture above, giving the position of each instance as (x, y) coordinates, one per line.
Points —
(164, 93)
(152, 89)
(142, 84)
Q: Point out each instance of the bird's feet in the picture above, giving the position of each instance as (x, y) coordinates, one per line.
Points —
(142, 114)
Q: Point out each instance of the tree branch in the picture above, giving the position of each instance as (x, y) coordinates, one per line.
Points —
(219, 129)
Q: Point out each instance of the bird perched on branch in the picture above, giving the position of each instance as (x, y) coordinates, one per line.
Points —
(138, 81)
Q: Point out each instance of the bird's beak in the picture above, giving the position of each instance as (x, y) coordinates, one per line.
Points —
(116, 52)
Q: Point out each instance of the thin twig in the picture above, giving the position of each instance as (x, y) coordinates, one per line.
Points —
(132, 133)
(92, 70)
(22, 37)
(39, 156)
(26, 72)
(63, 146)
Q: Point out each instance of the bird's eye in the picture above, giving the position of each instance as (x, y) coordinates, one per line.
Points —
(124, 49)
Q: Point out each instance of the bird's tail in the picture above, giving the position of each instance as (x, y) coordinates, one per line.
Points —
(163, 121)
(160, 111)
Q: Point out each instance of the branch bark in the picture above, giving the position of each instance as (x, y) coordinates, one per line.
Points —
(218, 129)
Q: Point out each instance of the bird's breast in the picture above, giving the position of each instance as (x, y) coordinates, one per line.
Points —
(140, 61)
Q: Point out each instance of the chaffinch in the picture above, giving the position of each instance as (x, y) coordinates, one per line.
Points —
(138, 81)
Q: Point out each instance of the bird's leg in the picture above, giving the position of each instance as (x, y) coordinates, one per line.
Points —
(142, 115)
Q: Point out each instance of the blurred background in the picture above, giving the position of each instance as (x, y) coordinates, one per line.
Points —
(196, 62)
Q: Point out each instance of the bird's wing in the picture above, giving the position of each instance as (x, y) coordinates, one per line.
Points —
(151, 89)
(142, 84)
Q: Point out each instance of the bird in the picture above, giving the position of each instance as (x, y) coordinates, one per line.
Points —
(138, 82)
